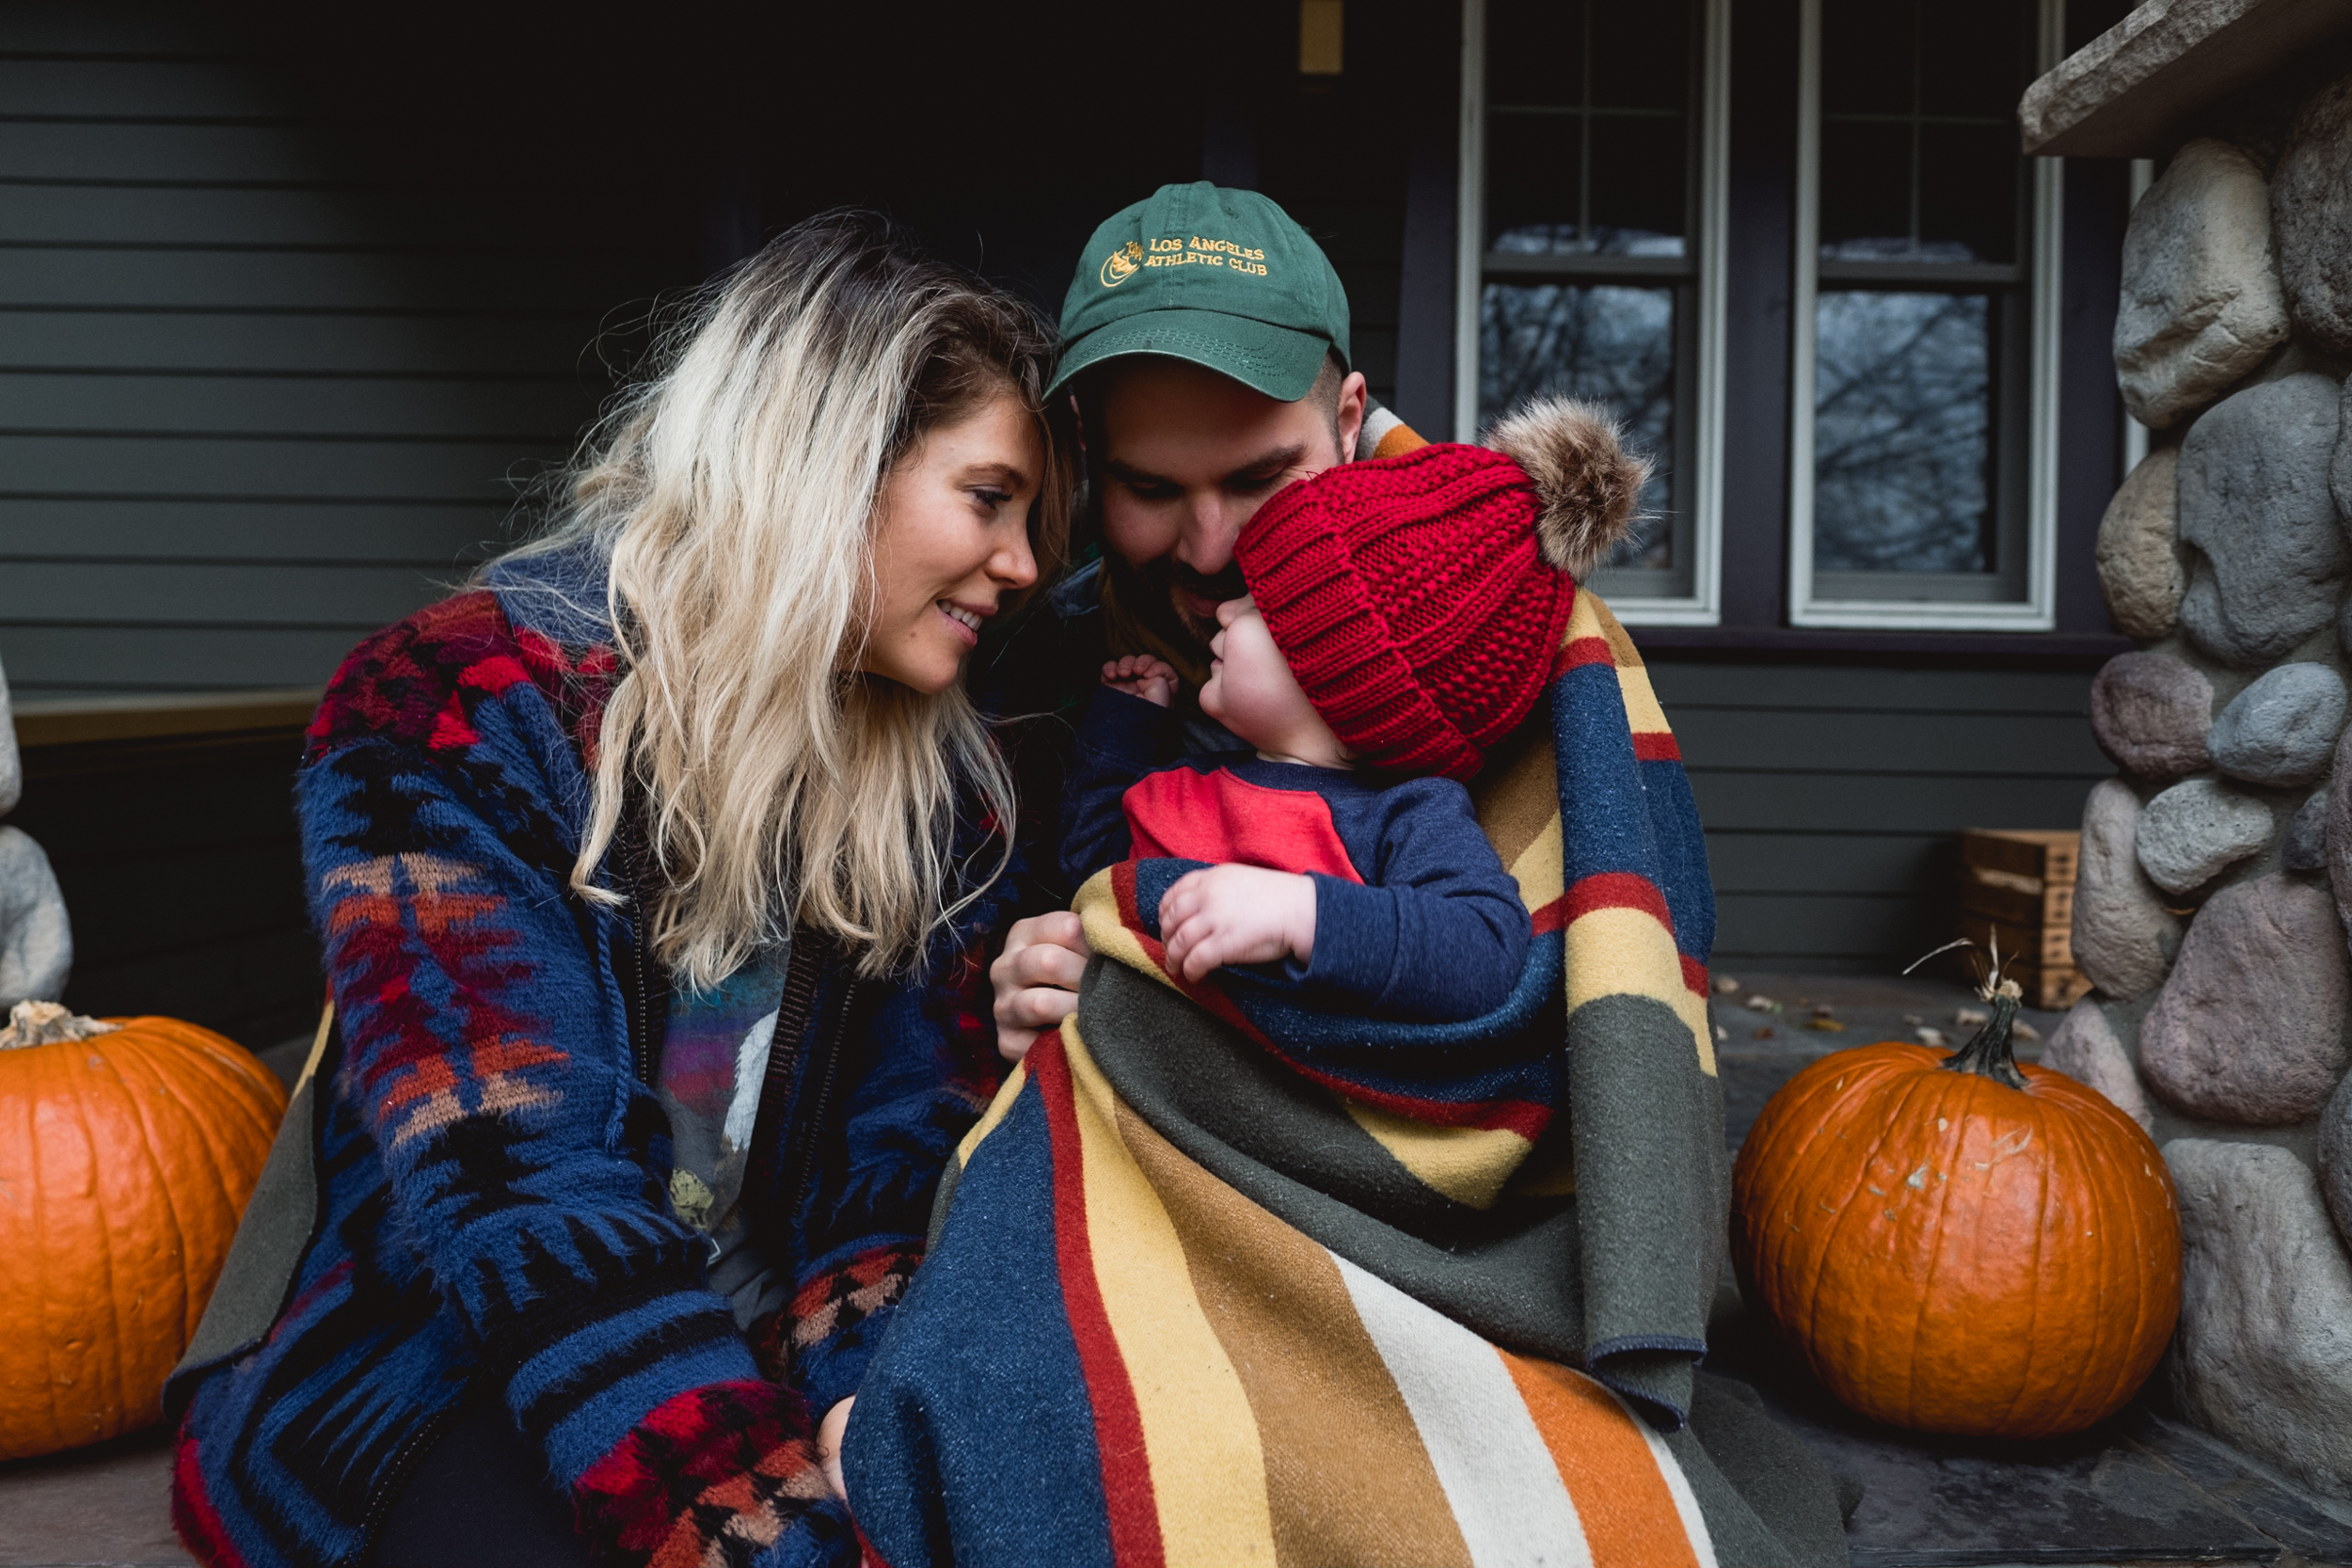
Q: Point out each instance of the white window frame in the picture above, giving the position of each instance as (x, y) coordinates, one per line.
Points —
(1704, 485)
(2037, 609)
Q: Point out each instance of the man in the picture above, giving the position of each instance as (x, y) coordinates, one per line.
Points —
(1206, 342)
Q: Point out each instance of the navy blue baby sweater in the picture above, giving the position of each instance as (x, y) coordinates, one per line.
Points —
(1415, 917)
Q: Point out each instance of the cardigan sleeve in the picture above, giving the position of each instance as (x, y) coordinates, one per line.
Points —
(486, 1049)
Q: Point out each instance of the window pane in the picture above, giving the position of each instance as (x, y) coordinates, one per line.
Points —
(1641, 56)
(1866, 189)
(1975, 59)
(1637, 175)
(1588, 109)
(1969, 180)
(1866, 57)
(1531, 165)
(1535, 52)
(1608, 343)
(1902, 433)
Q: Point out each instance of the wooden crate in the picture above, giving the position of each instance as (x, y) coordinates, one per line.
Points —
(2044, 856)
(2053, 987)
(2020, 946)
(2019, 900)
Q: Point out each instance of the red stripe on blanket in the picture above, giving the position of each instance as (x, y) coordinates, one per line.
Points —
(1135, 1517)
(1488, 1115)
(1582, 651)
(1656, 746)
(1617, 890)
(1693, 975)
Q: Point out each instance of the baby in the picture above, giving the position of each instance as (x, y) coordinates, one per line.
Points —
(1402, 619)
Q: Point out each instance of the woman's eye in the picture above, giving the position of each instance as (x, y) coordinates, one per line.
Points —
(992, 500)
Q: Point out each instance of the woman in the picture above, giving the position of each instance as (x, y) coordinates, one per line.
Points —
(654, 874)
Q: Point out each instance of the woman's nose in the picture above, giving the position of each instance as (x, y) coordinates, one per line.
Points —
(1015, 565)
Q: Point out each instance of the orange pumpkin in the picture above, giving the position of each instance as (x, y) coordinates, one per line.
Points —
(128, 1148)
(1955, 1244)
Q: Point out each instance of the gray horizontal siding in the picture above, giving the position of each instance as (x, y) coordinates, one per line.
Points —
(1831, 795)
(254, 400)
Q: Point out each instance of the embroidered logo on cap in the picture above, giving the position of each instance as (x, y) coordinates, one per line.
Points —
(1121, 264)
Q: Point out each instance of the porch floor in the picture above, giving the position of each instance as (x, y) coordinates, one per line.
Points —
(2138, 1489)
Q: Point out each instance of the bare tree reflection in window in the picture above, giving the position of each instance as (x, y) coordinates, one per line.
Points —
(1902, 433)
(1608, 343)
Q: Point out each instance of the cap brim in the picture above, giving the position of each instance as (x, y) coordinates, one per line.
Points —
(1275, 361)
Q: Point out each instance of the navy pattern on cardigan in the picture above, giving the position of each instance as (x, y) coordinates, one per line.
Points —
(492, 1170)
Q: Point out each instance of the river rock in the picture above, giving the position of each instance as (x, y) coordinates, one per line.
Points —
(2200, 300)
(2310, 213)
(2264, 1355)
(2194, 831)
(12, 770)
(2304, 846)
(2254, 501)
(2282, 730)
(2141, 568)
(2084, 1047)
(36, 942)
(2338, 835)
(2125, 938)
(2335, 1158)
(2248, 1027)
(2150, 712)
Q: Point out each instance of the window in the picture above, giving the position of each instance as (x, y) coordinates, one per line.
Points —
(1591, 266)
(1924, 407)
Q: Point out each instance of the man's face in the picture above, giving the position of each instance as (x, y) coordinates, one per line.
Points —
(1188, 457)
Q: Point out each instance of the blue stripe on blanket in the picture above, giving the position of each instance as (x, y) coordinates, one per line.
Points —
(1031, 1493)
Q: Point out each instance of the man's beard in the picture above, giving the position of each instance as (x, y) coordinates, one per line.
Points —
(1168, 579)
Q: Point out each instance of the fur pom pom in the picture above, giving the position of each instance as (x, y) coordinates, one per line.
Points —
(1589, 484)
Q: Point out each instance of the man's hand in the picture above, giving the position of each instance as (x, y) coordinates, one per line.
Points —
(1036, 980)
(1237, 915)
(828, 1433)
(1141, 675)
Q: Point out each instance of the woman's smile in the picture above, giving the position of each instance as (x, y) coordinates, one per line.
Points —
(966, 621)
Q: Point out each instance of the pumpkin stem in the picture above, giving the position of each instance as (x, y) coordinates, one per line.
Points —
(47, 1024)
(1987, 1053)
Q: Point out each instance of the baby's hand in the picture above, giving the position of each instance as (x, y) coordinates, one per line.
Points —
(1237, 915)
(1141, 675)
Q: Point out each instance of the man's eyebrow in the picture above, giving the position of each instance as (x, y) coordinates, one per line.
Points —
(1127, 473)
(1266, 465)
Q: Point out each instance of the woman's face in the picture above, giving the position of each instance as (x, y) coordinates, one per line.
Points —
(952, 538)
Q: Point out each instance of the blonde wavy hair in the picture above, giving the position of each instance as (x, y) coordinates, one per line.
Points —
(734, 493)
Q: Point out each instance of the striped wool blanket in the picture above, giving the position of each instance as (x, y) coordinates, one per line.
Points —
(1219, 1279)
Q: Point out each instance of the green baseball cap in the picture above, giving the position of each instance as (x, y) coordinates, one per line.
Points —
(1221, 278)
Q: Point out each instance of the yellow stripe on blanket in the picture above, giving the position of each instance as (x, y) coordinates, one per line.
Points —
(1589, 617)
(1537, 870)
(1097, 909)
(1469, 1164)
(1201, 1442)
(1623, 952)
(997, 1110)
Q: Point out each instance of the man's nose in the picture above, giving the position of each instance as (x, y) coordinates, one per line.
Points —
(1211, 527)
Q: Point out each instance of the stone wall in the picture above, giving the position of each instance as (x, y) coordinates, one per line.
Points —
(2217, 866)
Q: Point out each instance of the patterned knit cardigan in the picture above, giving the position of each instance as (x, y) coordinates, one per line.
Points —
(491, 1165)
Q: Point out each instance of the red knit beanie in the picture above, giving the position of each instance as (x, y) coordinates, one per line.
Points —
(1419, 598)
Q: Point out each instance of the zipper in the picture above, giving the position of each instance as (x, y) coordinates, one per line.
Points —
(829, 1065)
(640, 1029)
(786, 1047)
(395, 1476)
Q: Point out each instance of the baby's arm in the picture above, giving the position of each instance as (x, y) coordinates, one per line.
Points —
(1237, 915)
(1439, 935)
(1123, 734)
